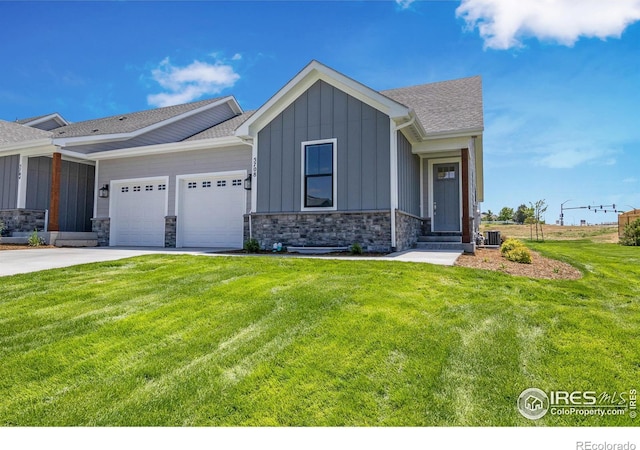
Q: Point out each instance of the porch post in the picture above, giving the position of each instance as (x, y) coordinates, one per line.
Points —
(466, 216)
(54, 200)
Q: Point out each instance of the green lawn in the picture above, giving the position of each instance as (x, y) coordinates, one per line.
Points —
(195, 340)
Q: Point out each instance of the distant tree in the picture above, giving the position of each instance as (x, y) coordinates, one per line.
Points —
(490, 216)
(522, 213)
(538, 209)
(506, 213)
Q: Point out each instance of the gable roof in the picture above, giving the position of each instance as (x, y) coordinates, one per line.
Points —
(52, 121)
(446, 106)
(14, 133)
(131, 123)
(313, 72)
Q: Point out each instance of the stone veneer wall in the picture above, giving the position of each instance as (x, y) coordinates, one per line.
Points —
(170, 223)
(371, 229)
(408, 229)
(23, 220)
(101, 226)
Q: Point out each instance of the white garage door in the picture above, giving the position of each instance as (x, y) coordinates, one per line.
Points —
(211, 211)
(137, 213)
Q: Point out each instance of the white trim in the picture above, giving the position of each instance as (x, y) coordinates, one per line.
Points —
(28, 147)
(112, 183)
(432, 162)
(96, 187)
(440, 145)
(254, 176)
(191, 176)
(313, 72)
(422, 158)
(23, 169)
(393, 168)
(171, 147)
(55, 116)
(83, 140)
(334, 142)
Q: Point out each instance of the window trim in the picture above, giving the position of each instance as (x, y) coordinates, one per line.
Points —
(303, 177)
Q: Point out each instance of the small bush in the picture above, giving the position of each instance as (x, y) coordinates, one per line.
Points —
(631, 233)
(520, 255)
(356, 249)
(509, 245)
(252, 246)
(35, 240)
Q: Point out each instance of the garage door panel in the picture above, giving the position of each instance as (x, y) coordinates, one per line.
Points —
(138, 213)
(211, 211)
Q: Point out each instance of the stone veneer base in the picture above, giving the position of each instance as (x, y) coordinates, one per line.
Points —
(101, 226)
(23, 220)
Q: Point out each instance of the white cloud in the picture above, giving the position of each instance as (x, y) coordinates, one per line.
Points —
(188, 83)
(237, 57)
(503, 23)
(570, 158)
(404, 4)
(630, 180)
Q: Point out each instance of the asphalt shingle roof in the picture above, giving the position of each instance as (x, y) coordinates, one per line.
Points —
(224, 129)
(127, 123)
(12, 133)
(446, 106)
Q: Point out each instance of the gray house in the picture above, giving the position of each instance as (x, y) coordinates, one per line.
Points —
(327, 161)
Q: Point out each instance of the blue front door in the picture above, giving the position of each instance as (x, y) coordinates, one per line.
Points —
(446, 197)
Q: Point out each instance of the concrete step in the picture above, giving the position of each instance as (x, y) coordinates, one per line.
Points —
(76, 235)
(76, 243)
(440, 246)
(439, 238)
(14, 240)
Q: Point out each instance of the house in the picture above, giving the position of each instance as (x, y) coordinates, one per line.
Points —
(326, 161)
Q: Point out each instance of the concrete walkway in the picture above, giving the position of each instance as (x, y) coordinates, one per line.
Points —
(13, 262)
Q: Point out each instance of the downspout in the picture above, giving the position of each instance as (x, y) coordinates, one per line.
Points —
(394, 174)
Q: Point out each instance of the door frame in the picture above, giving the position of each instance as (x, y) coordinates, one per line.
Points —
(431, 184)
(179, 184)
(113, 224)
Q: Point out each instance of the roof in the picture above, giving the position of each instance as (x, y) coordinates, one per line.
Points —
(224, 129)
(130, 122)
(13, 133)
(33, 119)
(445, 106)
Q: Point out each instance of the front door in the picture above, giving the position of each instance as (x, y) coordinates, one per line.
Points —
(446, 197)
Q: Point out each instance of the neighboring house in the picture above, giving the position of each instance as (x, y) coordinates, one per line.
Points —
(327, 161)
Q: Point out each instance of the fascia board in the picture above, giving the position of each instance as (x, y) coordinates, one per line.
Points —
(26, 147)
(173, 147)
(115, 137)
(453, 134)
(313, 72)
(58, 118)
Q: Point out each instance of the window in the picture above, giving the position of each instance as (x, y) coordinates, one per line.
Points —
(162, 187)
(236, 182)
(148, 187)
(319, 177)
(136, 189)
(206, 184)
(192, 185)
(124, 189)
(222, 183)
(447, 173)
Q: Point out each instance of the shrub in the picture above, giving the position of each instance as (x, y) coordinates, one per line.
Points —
(520, 255)
(35, 240)
(252, 246)
(356, 249)
(510, 244)
(631, 233)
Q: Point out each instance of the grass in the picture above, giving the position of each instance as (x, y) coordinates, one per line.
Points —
(185, 340)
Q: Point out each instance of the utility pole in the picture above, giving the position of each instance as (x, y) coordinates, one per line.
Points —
(562, 212)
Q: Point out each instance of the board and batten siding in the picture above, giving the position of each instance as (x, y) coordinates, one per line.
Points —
(76, 191)
(324, 112)
(173, 132)
(408, 178)
(172, 165)
(9, 171)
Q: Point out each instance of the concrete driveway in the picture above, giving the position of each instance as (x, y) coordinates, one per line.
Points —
(33, 260)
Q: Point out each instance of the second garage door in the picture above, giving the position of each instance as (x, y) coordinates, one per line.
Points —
(211, 209)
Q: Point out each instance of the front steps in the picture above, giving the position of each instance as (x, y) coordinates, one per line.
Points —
(441, 241)
(59, 238)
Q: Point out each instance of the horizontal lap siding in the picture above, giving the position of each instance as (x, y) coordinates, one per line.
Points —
(171, 165)
(9, 168)
(324, 112)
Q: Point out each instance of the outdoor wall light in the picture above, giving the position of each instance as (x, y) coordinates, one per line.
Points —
(247, 183)
(103, 192)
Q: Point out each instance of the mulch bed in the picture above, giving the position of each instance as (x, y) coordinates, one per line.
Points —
(21, 247)
(540, 267)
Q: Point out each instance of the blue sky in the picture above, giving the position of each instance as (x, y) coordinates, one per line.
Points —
(561, 78)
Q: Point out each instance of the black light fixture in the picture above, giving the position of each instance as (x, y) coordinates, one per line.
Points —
(247, 183)
(103, 192)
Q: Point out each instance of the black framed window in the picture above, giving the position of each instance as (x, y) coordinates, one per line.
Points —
(318, 175)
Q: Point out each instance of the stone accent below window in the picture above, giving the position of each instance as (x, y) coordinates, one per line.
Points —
(22, 220)
(170, 223)
(370, 229)
(408, 229)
